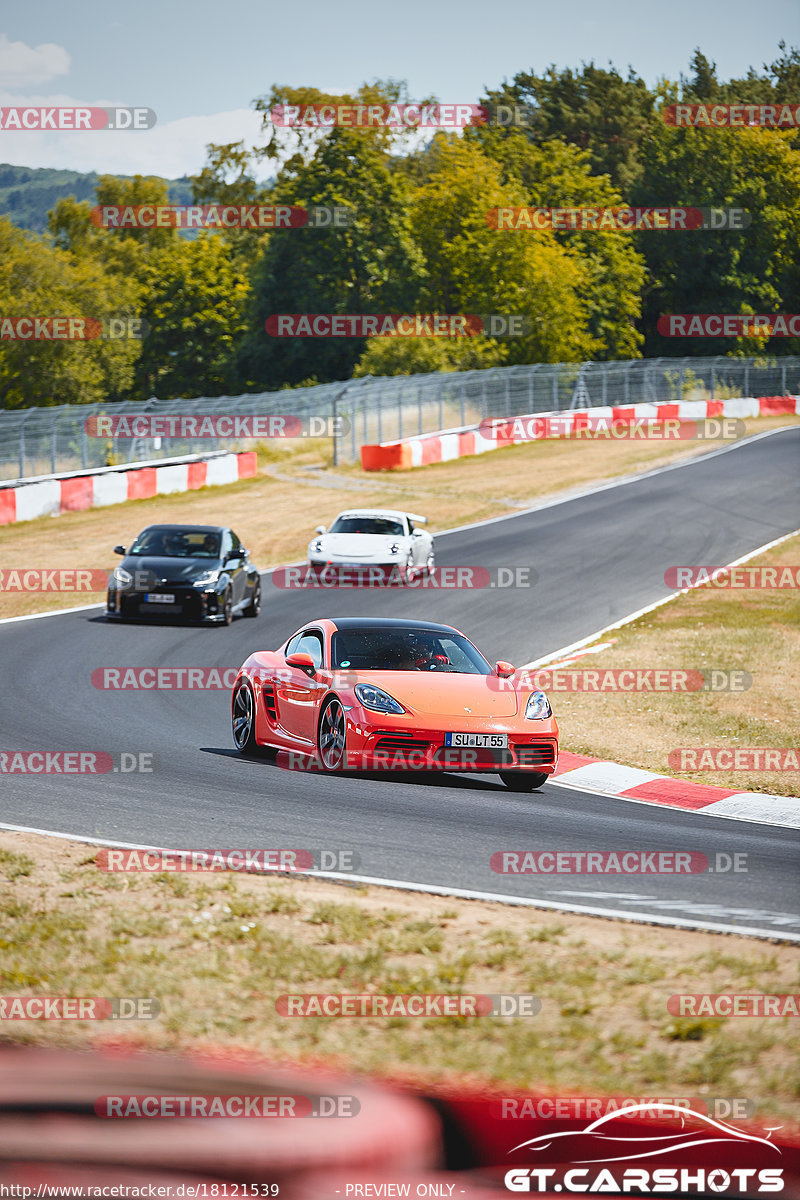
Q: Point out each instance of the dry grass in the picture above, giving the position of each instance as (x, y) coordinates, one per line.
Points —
(216, 951)
(757, 632)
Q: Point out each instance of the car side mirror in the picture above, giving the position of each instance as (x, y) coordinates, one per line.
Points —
(504, 669)
(321, 529)
(302, 661)
(120, 550)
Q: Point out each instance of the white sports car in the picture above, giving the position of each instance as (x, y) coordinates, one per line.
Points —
(383, 538)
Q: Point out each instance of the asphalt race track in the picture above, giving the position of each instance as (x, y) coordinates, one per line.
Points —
(597, 557)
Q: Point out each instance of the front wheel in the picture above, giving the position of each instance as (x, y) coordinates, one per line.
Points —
(332, 737)
(523, 781)
(243, 719)
(430, 562)
(227, 608)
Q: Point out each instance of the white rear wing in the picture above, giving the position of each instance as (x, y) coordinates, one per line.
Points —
(417, 519)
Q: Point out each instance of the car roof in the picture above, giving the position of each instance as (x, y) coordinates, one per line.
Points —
(189, 528)
(372, 512)
(389, 623)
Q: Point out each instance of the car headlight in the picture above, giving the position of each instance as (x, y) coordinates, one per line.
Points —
(121, 577)
(538, 707)
(205, 579)
(376, 699)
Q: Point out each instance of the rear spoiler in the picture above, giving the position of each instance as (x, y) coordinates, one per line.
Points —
(417, 519)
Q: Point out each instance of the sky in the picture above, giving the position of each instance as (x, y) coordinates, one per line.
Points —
(199, 64)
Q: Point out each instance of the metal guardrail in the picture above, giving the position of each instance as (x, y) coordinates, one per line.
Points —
(49, 440)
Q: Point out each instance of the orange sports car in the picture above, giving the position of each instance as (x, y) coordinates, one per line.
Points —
(376, 694)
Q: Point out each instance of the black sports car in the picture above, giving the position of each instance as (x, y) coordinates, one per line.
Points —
(197, 572)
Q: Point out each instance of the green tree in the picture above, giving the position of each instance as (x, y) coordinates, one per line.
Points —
(38, 279)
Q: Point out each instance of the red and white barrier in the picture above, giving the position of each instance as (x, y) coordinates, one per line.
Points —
(56, 494)
(448, 444)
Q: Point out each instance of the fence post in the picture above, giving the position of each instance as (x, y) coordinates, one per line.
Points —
(555, 387)
(22, 448)
(463, 406)
(713, 381)
(783, 378)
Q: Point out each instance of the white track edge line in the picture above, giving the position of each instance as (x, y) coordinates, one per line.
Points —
(678, 808)
(459, 893)
(640, 612)
(552, 503)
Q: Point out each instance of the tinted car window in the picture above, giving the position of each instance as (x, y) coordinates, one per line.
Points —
(176, 543)
(383, 526)
(392, 649)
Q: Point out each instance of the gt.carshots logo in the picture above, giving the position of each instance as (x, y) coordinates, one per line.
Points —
(184, 425)
(620, 1137)
(44, 118)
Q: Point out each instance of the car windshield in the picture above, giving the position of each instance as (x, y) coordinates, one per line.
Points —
(177, 543)
(383, 526)
(406, 650)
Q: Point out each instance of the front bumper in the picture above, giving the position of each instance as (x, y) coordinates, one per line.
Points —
(191, 604)
(425, 750)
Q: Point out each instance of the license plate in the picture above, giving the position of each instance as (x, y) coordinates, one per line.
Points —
(159, 598)
(490, 741)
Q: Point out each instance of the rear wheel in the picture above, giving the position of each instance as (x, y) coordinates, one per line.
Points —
(332, 737)
(254, 607)
(523, 781)
(243, 719)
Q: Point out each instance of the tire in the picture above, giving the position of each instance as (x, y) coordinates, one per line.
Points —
(227, 609)
(332, 737)
(243, 719)
(254, 607)
(410, 571)
(430, 562)
(523, 781)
